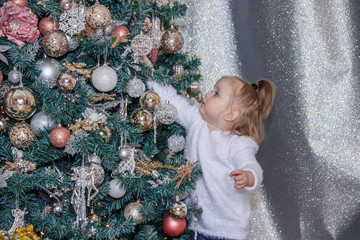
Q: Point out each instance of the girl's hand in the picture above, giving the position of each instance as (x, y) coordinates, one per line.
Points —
(242, 178)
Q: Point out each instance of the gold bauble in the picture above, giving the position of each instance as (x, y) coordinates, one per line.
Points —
(172, 41)
(21, 135)
(55, 43)
(98, 16)
(142, 118)
(20, 103)
(133, 210)
(149, 100)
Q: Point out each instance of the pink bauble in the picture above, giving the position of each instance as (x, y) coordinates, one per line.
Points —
(46, 25)
(59, 137)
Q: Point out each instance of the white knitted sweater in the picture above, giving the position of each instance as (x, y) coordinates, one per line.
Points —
(226, 210)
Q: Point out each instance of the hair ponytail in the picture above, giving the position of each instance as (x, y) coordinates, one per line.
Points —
(255, 101)
(266, 92)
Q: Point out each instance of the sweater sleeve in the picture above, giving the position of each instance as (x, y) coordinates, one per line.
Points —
(187, 113)
(244, 159)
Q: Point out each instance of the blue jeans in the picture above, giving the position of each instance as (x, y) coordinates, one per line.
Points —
(202, 237)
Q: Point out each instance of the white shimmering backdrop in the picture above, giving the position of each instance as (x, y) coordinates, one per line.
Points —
(311, 154)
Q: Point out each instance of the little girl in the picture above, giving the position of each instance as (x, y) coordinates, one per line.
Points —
(224, 134)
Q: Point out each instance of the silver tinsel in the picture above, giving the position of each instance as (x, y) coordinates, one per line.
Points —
(135, 87)
(176, 143)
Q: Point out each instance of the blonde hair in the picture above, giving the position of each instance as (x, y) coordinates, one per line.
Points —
(256, 101)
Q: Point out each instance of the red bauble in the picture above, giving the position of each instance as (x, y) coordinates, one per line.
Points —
(173, 227)
(59, 137)
(46, 25)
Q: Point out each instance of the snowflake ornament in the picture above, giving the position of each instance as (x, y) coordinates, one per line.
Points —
(72, 21)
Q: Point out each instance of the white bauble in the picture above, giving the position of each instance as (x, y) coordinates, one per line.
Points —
(104, 78)
(116, 189)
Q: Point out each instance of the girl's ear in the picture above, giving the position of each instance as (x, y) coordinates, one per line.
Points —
(232, 115)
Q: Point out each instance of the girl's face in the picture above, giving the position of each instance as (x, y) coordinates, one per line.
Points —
(216, 104)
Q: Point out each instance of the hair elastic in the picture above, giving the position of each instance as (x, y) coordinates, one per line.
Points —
(254, 86)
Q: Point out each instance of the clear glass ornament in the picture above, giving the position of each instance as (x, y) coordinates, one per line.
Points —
(166, 113)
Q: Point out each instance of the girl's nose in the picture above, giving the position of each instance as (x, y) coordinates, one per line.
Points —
(207, 94)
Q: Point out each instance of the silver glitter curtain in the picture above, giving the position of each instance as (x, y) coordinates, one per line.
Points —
(311, 153)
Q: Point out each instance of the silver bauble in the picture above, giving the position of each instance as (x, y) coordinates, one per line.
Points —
(14, 76)
(166, 113)
(50, 71)
(124, 153)
(117, 190)
(40, 122)
(135, 87)
(73, 42)
(104, 78)
(108, 30)
(57, 209)
(176, 143)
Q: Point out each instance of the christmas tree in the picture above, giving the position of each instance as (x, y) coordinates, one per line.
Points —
(87, 151)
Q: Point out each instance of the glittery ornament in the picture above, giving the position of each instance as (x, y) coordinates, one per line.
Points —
(97, 171)
(173, 227)
(59, 137)
(72, 21)
(133, 210)
(50, 71)
(57, 209)
(172, 41)
(176, 143)
(142, 118)
(15, 76)
(98, 16)
(20, 103)
(23, 3)
(120, 34)
(135, 87)
(41, 122)
(166, 113)
(66, 82)
(46, 25)
(178, 209)
(73, 42)
(55, 43)
(123, 153)
(104, 78)
(4, 122)
(117, 189)
(149, 100)
(141, 45)
(21, 135)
